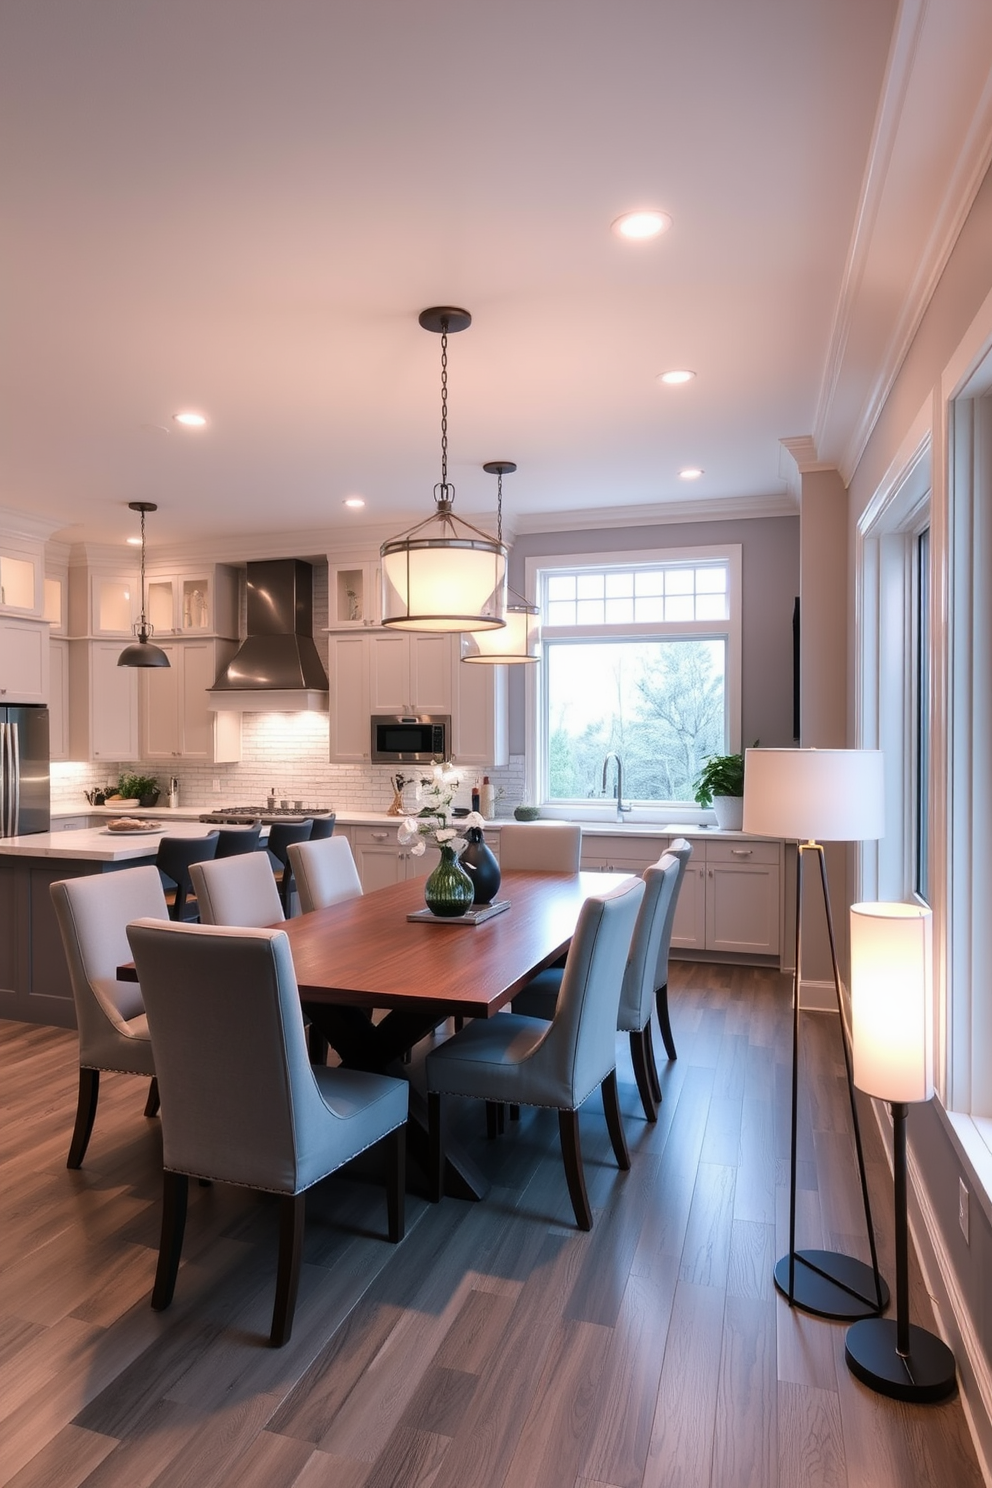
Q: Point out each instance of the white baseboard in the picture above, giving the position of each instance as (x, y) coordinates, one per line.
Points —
(817, 997)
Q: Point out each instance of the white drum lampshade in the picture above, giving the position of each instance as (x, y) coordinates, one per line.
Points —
(444, 582)
(518, 641)
(814, 795)
(892, 1000)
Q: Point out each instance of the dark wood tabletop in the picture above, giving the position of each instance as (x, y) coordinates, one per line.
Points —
(366, 953)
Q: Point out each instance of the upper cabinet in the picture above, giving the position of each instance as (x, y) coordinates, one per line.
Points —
(56, 604)
(22, 574)
(353, 595)
(410, 672)
(194, 604)
(24, 660)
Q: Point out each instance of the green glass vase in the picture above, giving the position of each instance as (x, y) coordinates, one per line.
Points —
(449, 890)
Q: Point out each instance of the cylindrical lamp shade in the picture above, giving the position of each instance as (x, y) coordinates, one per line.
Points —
(892, 1000)
(814, 795)
(519, 640)
(446, 583)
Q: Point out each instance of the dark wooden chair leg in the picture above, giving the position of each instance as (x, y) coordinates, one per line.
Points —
(652, 1066)
(568, 1131)
(493, 1109)
(638, 1058)
(292, 1215)
(175, 1188)
(396, 1183)
(316, 1045)
(664, 1022)
(435, 1148)
(514, 1112)
(614, 1121)
(153, 1102)
(89, 1091)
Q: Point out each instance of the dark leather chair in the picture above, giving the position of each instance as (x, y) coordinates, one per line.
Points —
(174, 856)
(323, 826)
(281, 834)
(234, 840)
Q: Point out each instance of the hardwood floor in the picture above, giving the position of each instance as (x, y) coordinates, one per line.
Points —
(496, 1345)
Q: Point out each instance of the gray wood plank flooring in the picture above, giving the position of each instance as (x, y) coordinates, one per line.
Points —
(497, 1345)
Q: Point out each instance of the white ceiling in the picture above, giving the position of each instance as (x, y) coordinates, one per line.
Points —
(241, 206)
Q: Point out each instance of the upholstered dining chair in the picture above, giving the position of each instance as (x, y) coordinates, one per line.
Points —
(173, 859)
(325, 872)
(527, 1061)
(250, 1110)
(237, 891)
(637, 994)
(544, 847)
(281, 834)
(323, 826)
(93, 913)
(234, 840)
(682, 851)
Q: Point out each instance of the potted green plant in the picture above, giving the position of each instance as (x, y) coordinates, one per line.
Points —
(720, 784)
(142, 788)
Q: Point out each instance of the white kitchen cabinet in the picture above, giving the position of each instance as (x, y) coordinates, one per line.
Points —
(350, 731)
(55, 609)
(409, 672)
(354, 595)
(58, 699)
(200, 603)
(22, 574)
(381, 860)
(479, 734)
(103, 703)
(23, 660)
(176, 722)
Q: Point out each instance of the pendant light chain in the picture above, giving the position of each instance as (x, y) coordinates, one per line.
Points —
(144, 623)
(444, 408)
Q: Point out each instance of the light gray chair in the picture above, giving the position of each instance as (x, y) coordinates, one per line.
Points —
(325, 872)
(526, 1061)
(93, 913)
(637, 994)
(250, 1110)
(543, 847)
(682, 850)
(237, 891)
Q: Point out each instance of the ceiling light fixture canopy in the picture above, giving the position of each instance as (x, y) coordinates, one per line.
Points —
(520, 638)
(444, 574)
(141, 652)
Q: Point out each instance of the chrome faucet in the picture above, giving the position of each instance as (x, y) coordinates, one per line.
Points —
(621, 808)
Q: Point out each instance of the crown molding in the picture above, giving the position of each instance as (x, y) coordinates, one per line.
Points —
(715, 509)
(14, 523)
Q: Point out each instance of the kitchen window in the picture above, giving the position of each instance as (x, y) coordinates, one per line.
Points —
(641, 658)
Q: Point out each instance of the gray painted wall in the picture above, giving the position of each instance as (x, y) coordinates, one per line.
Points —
(770, 583)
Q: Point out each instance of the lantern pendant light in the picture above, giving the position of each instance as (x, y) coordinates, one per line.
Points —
(141, 652)
(444, 574)
(520, 639)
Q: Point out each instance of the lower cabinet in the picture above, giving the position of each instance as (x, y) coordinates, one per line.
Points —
(382, 861)
(176, 722)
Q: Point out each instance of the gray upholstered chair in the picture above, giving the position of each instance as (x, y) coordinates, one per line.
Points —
(249, 1109)
(682, 850)
(526, 1061)
(325, 872)
(544, 847)
(237, 891)
(637, 995)
(93, 913)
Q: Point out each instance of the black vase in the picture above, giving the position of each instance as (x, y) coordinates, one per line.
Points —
(481, 866)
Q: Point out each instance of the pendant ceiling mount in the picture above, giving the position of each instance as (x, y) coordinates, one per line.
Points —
(444, 574)
(141, 652)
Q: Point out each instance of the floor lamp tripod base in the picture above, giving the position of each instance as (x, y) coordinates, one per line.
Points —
(831, 1285)
(926, 1373)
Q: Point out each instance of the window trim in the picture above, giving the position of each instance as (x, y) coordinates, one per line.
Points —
(536, 743)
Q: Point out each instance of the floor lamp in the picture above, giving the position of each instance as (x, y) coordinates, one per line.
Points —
(814, 796)
(892, 1030)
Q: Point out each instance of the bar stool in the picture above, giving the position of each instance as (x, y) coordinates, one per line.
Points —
(234, 840)
(173, 858)
(281, 834)
(323, 826)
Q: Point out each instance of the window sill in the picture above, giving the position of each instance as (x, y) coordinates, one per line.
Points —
(973, 1135)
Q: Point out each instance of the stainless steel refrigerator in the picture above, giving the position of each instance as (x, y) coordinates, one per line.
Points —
(25, 784)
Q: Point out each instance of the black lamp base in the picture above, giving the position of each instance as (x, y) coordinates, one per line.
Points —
(831, 1285)
(925, 1374)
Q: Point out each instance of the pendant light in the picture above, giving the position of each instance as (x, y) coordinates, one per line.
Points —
(141, 652)
(520, 638)
(444, 574)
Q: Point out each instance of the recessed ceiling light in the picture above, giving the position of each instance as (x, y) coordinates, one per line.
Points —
(189, 419)
(135, 542)
(354, 501)
(691, 472)
(676, 376)
(643, 224)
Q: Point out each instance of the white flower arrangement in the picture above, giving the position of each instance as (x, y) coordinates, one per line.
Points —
(433, 821)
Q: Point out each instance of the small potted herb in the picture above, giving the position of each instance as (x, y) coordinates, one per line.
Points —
(142, 788)
(720, 784)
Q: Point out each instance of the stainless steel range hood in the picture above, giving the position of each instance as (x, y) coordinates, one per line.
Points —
(277, 669)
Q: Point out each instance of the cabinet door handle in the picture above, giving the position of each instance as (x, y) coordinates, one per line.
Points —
(742, 852)
(380, 836)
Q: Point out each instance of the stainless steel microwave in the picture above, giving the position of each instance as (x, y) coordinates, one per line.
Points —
(410, 738)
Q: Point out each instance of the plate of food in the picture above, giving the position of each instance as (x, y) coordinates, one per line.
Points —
(132, 826)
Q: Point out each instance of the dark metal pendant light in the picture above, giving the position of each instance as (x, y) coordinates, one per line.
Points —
(444, 574)
(520, 639)
(141, 652)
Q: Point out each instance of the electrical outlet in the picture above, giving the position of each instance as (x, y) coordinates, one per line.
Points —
(963, 1197)
(217, 787)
